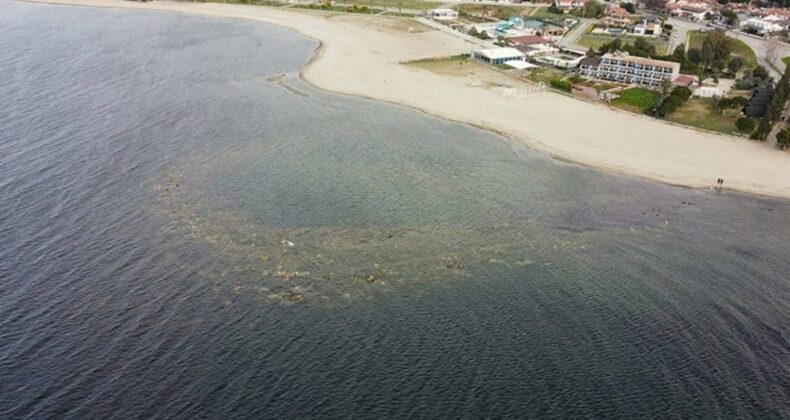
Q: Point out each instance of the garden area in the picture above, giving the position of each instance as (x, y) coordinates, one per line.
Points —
(636, 99)
(706, 114)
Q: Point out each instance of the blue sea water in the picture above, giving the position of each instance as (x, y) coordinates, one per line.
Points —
(187, 230)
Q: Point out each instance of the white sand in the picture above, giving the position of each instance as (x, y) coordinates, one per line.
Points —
(361, 55)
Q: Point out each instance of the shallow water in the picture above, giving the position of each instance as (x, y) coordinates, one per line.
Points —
(186, 233)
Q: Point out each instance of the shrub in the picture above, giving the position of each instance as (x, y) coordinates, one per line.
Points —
(745, 125)
(783, 138)
(562, 85)
(682, 92)
(554, 9)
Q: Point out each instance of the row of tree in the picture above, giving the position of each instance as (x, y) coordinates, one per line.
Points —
(774, 112)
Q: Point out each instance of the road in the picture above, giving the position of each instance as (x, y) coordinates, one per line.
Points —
(758, 45)
(569, 40)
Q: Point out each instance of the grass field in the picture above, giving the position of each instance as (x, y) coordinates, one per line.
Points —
(545, 75)
(739, 47)
(595, 41)
(702, 113)
(786, 60)
(637, 99)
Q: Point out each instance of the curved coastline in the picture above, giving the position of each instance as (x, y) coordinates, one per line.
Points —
(771, 179)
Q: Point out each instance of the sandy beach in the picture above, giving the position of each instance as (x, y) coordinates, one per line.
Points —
(363, 56)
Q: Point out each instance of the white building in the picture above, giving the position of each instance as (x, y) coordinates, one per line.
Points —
(499, 55)
(443, 14)
(623, 68)
(760, 27)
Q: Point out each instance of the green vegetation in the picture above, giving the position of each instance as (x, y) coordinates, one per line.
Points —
(591, 9)
(775, 109)
(783, 138)
(786, 60)
(605, 43)
(637, 99)
(717, 46)
(704, 113)
(671, 103)
(563, 85)
(745, 125)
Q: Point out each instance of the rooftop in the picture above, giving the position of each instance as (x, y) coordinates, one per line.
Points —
(497, 53)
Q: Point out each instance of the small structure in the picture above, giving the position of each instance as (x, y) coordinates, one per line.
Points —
(683, 80)
(496, 56)
(565, 59)
(443, 14)
(519, 65)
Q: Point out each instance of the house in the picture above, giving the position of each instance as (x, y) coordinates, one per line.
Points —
(499, 55)
(760, 27)
(645, 28)
(443, 14)
(616, 16)
(624, 68)
(694, 12)
(776, 15)
(567, 5)
(529, 41)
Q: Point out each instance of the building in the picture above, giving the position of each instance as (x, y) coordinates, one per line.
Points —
(616, 16)
(761, 98)
(565, 59)
(761, 27)
(694, 12)
(645, 28)
(623, 68)
(499, 55)
(443, 14)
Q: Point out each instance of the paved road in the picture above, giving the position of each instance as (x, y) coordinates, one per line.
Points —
(758, 45)
(569, 40)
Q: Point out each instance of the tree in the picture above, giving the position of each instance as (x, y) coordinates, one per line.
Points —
(643, 46)
(682, 92)
(666, 85)
(735, 64)
(783, 138)
(629, 7)
(658, 5)
(772, 48)
(760, 72)
(730, 16)
(745, 125)
(554, 9)
(716, 47)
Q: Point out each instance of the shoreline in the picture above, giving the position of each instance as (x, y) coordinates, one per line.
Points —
(642, 148)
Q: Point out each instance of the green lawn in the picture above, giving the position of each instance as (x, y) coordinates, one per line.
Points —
(702, 113)
(637, 99)
(595, 41)
(786, 60)
(739, 47)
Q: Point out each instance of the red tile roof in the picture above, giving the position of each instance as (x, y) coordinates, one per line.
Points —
(529, 40)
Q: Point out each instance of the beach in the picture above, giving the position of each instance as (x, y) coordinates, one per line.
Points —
(365, 55)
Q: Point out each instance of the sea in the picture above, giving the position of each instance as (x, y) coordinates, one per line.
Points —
(189, 230)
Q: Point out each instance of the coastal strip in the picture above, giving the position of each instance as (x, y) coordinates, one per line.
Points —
(362, 56)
